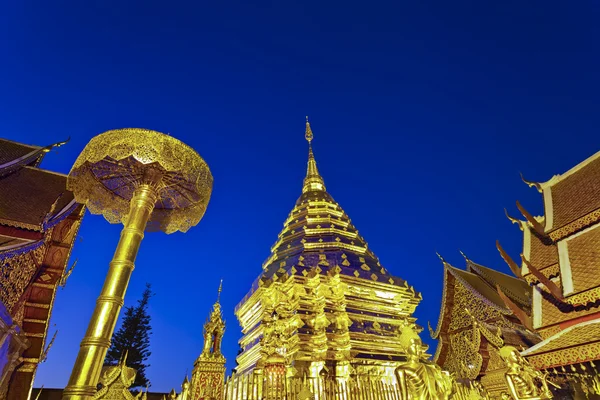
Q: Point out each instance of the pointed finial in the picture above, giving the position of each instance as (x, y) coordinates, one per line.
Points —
(440, 257)
(513, 219)
(313, 181)
(531, 183)
(219, 291)
(464, 255)
(308, 132)
(124, 358)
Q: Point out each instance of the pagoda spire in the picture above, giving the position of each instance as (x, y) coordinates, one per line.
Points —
(313, 181)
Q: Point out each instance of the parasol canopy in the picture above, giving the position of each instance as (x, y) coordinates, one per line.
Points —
(116, 162)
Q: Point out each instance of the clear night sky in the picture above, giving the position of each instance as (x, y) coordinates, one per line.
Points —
(423, 115)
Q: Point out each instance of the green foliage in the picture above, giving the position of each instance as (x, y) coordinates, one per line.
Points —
(133, 337)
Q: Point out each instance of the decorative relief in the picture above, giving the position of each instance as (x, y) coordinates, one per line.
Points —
(464, 360)
(16, 273)
(465, 299)
(575, 226)
(568, 356)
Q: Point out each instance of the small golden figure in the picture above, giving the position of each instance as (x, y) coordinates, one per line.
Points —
(524, 382)
(420, 379)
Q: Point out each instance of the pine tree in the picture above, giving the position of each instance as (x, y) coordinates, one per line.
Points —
(133, 337)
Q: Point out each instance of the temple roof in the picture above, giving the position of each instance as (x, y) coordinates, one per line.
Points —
(470, 296)
(11, 151)
(572, 197)
(516, 289)
(318, 233)
(575, 344)
(32, 196)
(479, 286)
(481, 282)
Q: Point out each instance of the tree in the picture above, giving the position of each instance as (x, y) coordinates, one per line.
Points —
(133, 337)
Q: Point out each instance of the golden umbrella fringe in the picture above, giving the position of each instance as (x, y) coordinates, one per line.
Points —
(137, 159)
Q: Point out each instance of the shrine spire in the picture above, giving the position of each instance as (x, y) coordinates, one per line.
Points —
(313, 180)
(219, 291)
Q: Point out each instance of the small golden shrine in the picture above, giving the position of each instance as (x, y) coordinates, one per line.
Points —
(323, 305)
(474, 324)
(39, 220)
(208, 375)
(561, 259)
(115, 382)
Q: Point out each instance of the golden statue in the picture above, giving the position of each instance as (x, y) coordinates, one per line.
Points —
(147, 181)
(420, 379)
(523, 381)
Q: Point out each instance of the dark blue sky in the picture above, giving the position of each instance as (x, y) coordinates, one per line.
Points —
(423, 114)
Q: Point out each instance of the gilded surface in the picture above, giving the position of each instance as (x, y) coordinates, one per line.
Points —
(115, 382)
(574, 355)
(114, 163)
(323, 300)
(550, 272)
(523, 381)
(584, 256)
(554, 312)
(420, 379)
(576, 195)
(17, 272)
(573, 345)
(144, 179)
(575, 226)
(467, 299)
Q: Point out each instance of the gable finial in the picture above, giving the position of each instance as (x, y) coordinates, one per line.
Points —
(219, 291)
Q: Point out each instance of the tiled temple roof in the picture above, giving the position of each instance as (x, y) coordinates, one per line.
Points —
(575, 194)
(516, 289)
(10, 151)
(573, 345)
(30, 195)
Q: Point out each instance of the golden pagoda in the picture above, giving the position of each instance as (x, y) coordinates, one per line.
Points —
(561, 259)
(474, 324)
(323, 305)
(39, 220)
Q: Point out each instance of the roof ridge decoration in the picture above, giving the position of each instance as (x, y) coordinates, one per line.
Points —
(533, 222)
(536, 185)
(34, 156)
(521, 315)
(494, 277)
(551, 286)
(514, 220)
(508, 259)
(435, 333)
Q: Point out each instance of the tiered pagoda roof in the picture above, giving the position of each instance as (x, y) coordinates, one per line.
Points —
(561, 259)
(319, 232)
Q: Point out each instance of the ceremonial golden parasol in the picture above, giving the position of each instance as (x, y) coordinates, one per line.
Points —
(148, 181)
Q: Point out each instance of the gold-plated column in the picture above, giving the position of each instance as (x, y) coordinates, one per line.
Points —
(86, 372)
